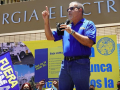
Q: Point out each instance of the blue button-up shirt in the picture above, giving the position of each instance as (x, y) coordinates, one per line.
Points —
(71, 47)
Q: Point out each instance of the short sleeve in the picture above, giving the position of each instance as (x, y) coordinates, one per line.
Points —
(56, 36)
(90, 31)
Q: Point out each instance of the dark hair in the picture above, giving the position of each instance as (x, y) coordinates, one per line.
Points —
(92, 85)
(79, 5)
(30, 88)
(118, 81)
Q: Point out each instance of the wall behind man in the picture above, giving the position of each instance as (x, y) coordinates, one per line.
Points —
(26, 16)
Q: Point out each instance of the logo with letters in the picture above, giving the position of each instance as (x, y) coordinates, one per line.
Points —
(82, 28)
(105, 46)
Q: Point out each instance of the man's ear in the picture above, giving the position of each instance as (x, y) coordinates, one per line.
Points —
(80, 9)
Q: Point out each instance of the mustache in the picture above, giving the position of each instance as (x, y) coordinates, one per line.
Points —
(70, 13)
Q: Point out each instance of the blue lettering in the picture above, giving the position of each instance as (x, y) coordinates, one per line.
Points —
(96, 68)
(105, 82)
(59, 52)
(45, 85)
(49, 84)
(99, 83)
(91, 69)
(109, 69)
(92, 82)
(92, 52)
(52, 53)
(102, 68)
(110, 83)
(96, 83)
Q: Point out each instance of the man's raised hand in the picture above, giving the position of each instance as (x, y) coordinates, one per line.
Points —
(45, 14)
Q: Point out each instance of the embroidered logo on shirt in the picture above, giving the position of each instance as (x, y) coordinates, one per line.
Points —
(82, 28)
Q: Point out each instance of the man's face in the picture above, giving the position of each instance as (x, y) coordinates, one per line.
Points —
(91, 88)
(118, 85)
(26, 87)
(37, 85)
(73, 11)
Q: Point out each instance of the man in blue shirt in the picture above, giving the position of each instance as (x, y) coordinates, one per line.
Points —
(78, 39)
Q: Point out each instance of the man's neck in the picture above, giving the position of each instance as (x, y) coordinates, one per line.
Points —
(77, 20)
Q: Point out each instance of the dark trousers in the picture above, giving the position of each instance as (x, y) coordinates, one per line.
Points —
(76, 73)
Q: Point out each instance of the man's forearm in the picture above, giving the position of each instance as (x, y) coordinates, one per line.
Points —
(84, 40)
(48, 31)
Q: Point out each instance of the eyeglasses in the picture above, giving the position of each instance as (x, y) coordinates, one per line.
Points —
(72, 8)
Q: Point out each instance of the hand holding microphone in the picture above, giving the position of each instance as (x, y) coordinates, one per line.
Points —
(62, 26)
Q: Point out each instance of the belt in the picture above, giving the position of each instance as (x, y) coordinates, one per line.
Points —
(75, 58)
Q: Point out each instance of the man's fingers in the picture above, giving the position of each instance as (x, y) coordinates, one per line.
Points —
(63, 30)
(63, 26)
(44, 13)
(47, 9)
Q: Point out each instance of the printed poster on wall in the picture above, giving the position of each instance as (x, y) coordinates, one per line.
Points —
(104, 62)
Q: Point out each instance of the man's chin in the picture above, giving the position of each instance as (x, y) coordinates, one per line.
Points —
(70, 18)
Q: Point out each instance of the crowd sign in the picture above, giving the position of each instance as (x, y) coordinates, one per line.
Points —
(8, 78)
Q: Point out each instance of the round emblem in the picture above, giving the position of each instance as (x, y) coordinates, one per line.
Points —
(105, 46)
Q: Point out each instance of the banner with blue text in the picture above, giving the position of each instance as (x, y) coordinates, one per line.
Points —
(104, 65)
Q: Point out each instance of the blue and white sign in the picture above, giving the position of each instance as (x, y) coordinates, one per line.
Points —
(8, 78)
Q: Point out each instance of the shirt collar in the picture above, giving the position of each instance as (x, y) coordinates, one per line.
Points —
(81, 21)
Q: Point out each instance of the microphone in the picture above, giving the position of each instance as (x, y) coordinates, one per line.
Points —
(59, 32)
(67, 22)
